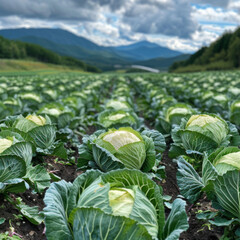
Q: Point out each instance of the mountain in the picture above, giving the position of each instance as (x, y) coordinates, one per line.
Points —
(163, 63)
(68, 44)
(222, 54)
(145, 50)
(10, 49)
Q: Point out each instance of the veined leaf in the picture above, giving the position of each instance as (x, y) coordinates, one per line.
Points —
(56, 211)
(189, 182)
(227, 189)
(177, 221)
(90, 223)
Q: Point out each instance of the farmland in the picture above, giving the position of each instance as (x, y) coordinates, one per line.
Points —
(120, 156)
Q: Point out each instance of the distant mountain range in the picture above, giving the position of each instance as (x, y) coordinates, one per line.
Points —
(68, 44)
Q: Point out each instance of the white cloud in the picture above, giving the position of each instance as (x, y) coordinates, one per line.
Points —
(172, 23)
(216, 15)
(234, 4)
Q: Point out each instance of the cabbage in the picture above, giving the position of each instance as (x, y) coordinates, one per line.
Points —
(126, 144)
(30, 122)
(117, 116)
(120, 138)
(121, 201)
(117, 105)
(121, 204)
(201, 133)
(226, 159)
(12, 143)
(31, 96)
(39, 120)
(120, 118)
(209, 125)
(119, 148)
(175, 113)
(5, 144)
(52, 111)
(235, 112)
(201, 120)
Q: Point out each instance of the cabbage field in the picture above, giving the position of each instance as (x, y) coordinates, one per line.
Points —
(117, 156)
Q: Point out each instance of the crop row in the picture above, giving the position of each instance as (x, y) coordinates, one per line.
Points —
(117, 196)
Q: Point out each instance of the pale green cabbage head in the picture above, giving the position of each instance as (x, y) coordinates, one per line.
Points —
(201, 120)
(177, 111)
(39, 120)
(118, 116)
(121, 138)
(5, 144)
(226, 159)
(31, 96)
(129, 202)
(52, 111)
(117, 105)
(121, 201)
(125, 144)
(204, 133)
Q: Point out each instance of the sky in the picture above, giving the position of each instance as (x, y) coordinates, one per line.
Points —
(183, 25)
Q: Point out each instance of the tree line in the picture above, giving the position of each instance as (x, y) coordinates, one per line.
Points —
(222, 54)
(11, 49)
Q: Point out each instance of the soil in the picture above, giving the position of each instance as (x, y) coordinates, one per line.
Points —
(22, 227)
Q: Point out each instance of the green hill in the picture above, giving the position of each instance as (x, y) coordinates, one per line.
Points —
(222, 54)
(68, 44)
(10, 49)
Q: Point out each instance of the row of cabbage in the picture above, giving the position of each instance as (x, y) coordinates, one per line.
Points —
(117, 198)
(204, 145)
(38, 117)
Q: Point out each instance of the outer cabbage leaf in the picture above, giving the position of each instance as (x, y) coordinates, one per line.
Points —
(177, 221)
(44, 136)
(12, 169)
(189, 182)
(56, 211)
(22, 150)
(227, 190)
(226, 159)
(90, 223)
(38, 177)
(158, 139)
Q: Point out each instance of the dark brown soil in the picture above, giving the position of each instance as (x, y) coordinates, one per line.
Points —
(66, 172)
(22, 227)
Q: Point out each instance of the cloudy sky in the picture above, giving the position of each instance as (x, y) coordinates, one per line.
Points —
(183, 25)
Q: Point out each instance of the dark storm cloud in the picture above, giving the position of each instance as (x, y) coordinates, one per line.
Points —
(50, 9)
(171, 18)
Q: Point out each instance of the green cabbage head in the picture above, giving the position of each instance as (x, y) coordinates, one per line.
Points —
(204, 132)
(175, 113)
(125, 144)
(129, 202)
(211, 126)
(226, 159)
(111, 118)
(5, 144)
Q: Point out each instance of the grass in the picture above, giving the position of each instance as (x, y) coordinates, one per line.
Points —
(16, 67)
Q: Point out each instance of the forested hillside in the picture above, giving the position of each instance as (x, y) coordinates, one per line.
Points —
(10, 49)
(220, 55)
